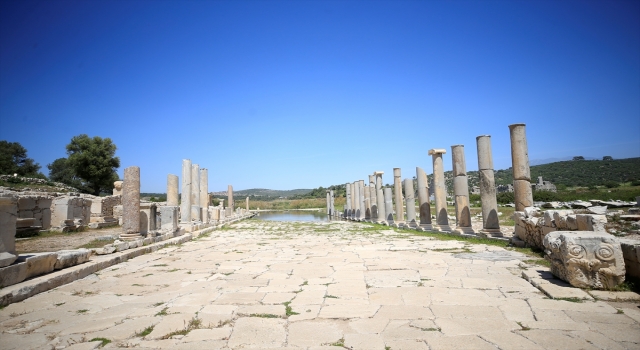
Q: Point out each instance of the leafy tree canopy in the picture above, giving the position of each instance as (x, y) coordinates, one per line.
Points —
(578, 158)
(61, 171)
(93, 160)
(13, 160)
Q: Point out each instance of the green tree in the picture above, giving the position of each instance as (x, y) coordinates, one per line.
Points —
(607, 158)
(60, 170)
(578, 158)
(13, 160)
(94, 161)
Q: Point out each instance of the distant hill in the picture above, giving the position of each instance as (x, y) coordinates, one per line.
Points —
(266, 193)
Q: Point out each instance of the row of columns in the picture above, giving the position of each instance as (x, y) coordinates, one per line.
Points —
(359, 205)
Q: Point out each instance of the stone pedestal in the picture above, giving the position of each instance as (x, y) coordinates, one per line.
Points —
(490, 219)
(410, 203)
(131, 204)
(439, 190)
(8, 219)
(169, 218)
(397, 193)
(373, 198)
(522, 193)
(423, 200)
(382, 212)
(461, 191)
(388, 205)
(172, 190)
(148, 215)
(185, 195)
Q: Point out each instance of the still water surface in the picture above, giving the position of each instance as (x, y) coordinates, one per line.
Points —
(292, 216)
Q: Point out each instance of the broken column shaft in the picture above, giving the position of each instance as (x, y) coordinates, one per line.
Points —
(461, 190)
(490, 220)
(440, 190)
(423, 199)
(520, 163)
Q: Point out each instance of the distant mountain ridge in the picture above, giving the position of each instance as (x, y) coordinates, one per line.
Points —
(263, 192)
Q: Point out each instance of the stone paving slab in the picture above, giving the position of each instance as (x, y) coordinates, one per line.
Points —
(271, 285)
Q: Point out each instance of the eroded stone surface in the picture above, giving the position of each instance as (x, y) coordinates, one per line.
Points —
(274, 285)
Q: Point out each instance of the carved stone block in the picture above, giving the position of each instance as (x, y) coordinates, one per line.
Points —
(585, 259)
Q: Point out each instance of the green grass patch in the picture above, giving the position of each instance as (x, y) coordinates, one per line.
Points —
(159, 265)
(104, 341)
(541, 262)
(331, 296)
(96, 243)
(573, 300)
(145, 332)
(162, 312)
(264, 315)
(288, 310)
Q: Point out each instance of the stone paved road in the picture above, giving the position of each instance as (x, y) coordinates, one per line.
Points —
(267, 285)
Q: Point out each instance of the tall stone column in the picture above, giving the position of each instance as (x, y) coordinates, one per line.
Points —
(367, 203)
(172, 190)
(520, 164)
(372, 198)
(363, 207)
(185, 204)
(356, 186)
(354, 195)
(388, 205)
(247, 200)
(461, 190)
(347, 202)
(204, 194)
(382, 213)
(397, 189)
(332, 199)
(423, 199)
(232, 205)
(490, 220)
(195, 192)
(131, 204)
(410, 203)
(440, 190)
(328, 203)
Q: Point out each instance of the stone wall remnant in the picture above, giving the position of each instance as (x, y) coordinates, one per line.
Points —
(585, 259)
(70, 213)
(8, 218)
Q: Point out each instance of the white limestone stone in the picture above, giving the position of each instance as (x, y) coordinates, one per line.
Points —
(68, 258)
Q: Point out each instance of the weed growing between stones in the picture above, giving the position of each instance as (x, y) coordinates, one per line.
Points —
(162, 312)
(288, 310)
(573, 300)
(104, 341)
(145, 332)
(82, 311)
(524, 328)
(264, 315)
(194, 323)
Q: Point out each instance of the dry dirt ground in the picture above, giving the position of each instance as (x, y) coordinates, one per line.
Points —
(337, 285)
(62, 241)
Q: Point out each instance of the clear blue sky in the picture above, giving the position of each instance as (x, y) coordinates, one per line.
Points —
(301, 94)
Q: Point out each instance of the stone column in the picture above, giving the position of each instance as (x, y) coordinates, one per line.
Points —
(461, 191)
(131, 204)
(356, 188)
(332, 203)
(185, 205)
(247, 199)
(410, 201)
(520, 163)
(367, 203)
(490, 220)
(204, 194)
(363, 207)
(388, 205)
(328, 203)
(382, 213)
(397, 188)
(172, 190)
(423, 199)
(231, 205)
(347, 202)
(372, 198)
(195, 192)
(440, 190)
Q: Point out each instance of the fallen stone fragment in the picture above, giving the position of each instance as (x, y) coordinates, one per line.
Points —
(68, 258)
(585, 259)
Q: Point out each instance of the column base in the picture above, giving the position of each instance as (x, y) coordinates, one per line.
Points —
(410, 225)
(442, 228)
(129, 236)
(490, 232)
(425, 227)
(465, 230)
